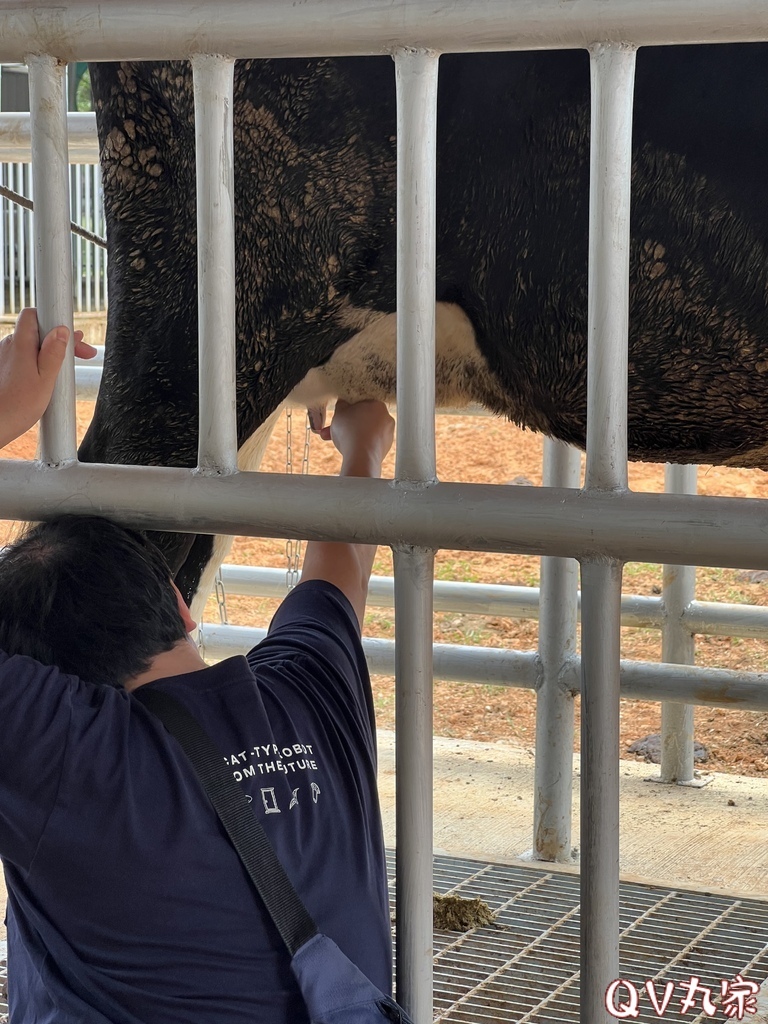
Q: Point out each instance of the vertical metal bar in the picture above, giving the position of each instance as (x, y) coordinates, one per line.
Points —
(213, 83)
(612, 73)
(601, 631)
(53, 253)
(414, 572)
(554, 703)
(416, 80)
(13, 305)
(21, 239)
(31, 238)
(677, 646)
(77, 242)
(88, 246)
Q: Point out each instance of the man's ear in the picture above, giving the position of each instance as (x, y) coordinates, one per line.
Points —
(189, 623)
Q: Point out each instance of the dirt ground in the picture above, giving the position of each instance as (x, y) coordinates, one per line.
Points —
(487, 450)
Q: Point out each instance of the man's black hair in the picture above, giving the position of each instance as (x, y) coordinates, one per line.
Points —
(89, 596)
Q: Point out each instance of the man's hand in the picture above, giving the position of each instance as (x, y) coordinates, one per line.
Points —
(28, 372)
(363, 433)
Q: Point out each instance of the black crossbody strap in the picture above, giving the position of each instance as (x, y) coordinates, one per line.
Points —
(291, 917)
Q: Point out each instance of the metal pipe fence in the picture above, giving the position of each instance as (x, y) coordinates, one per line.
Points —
(602, 525)
(691, 617)
(17, 233)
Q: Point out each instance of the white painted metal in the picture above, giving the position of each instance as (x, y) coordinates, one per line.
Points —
(31, 236)
(414, 673)
(89, 248)
(20, 186)
(600, 694)
(612, 73)
(53, 253)
(18, 246)
(696, 530)
(521, 602)
(13, 213)
(494, 666)
(678, 646)
(213, 85)
(416, 79)
(553, 779)
(16, 138)
(165, 29)
(77, 217)
(416, 87)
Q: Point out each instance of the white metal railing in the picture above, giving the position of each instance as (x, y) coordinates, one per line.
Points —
(602, 525)
(17, 264)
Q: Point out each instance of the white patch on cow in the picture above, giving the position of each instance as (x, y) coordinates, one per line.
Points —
(249, 458)
(365, 366)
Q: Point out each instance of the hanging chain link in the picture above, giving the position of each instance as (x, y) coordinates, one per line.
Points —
(293, 547)
(221, 601)
(221, 598)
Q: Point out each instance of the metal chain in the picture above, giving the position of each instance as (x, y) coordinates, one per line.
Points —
(221, 598)
(27, 204)
(293, 547)
(221, 601)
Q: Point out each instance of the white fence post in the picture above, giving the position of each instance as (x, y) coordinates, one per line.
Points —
(213, 85)
(612, 70)
(53, 250)
(553, 784)
(678, 647)
(416, 78)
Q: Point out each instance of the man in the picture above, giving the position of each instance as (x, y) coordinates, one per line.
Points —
(127, 903)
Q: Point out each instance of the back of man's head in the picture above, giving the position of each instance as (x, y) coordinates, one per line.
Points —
(89, 596)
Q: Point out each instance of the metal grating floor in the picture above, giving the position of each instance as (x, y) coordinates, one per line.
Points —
(524, 968)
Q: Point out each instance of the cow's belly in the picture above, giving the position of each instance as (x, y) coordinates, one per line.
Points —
(365, 366)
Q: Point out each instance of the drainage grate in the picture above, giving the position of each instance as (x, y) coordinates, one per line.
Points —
(524, 969)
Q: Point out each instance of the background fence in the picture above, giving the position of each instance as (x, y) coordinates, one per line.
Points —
(17, 265)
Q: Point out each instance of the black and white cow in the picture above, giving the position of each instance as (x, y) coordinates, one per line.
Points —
(315, 176)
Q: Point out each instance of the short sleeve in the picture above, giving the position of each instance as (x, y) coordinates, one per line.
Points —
(313, 643)
(36, 715)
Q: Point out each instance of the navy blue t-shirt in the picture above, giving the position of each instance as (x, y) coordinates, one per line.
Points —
(126, 902)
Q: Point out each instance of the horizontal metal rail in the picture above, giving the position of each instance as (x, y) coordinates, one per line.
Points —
(511, 602)
(16, 138)
(93, 30)
(640, 680)
(680, 529)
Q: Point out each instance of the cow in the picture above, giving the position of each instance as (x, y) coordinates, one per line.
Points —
(315, 241)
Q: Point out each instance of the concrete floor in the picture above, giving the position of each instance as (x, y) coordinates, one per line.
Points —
(714, 838)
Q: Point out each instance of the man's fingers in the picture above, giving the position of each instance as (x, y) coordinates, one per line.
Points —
(82, 349)
(26, 324)
(51, 354)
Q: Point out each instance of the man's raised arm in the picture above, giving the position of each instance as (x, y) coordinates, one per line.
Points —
(363, 433)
